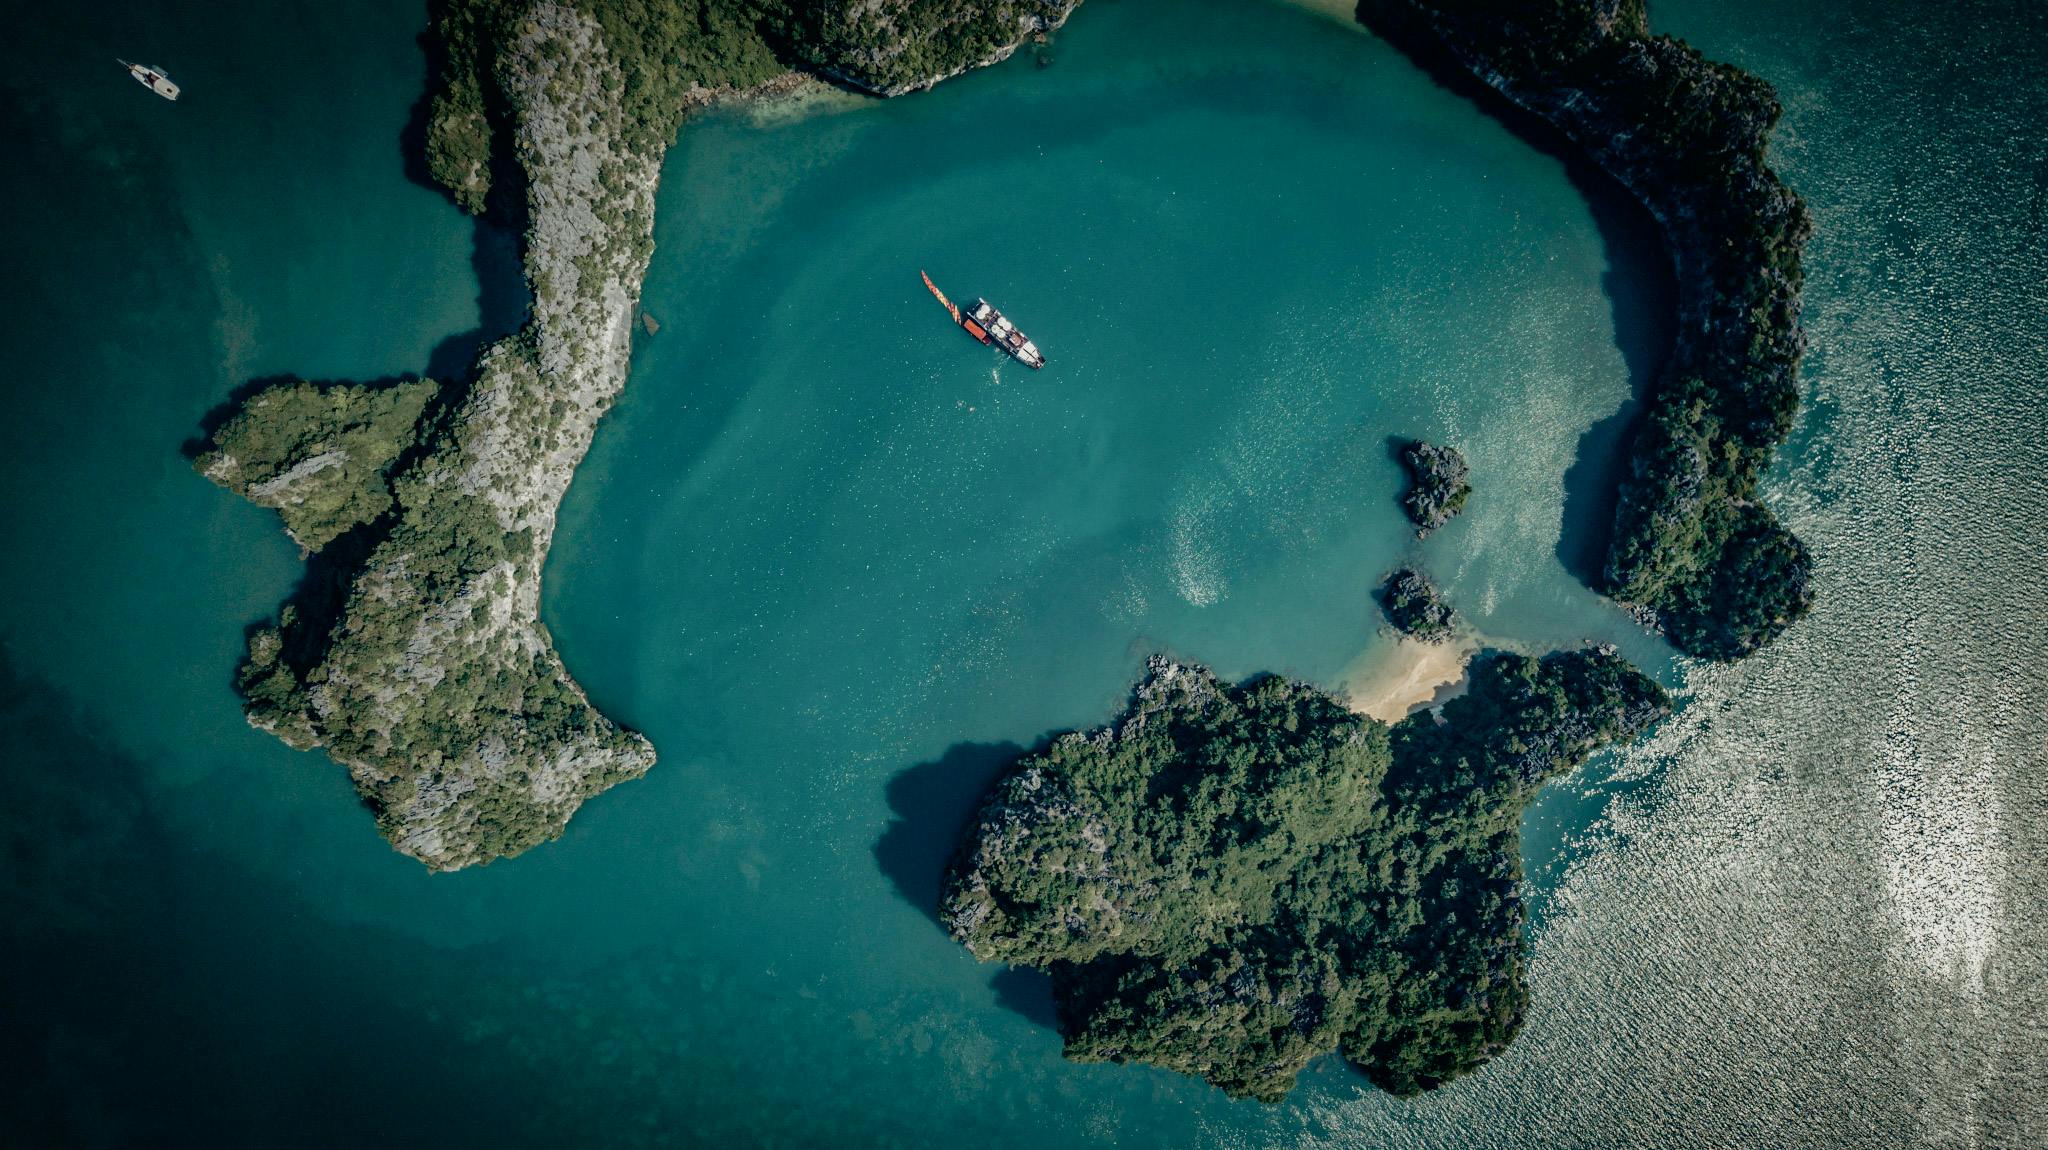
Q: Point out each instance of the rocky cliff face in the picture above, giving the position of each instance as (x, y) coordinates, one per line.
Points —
(890, 47)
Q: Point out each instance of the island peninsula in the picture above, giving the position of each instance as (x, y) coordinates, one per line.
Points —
(415, 654)
(1691, 549)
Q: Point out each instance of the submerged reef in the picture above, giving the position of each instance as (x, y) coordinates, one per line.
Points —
(1230, 881)
(1437, 487)
(1415, 607)
(1691, 548)
(414, 654)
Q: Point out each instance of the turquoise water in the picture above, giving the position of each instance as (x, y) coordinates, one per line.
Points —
(838, 562)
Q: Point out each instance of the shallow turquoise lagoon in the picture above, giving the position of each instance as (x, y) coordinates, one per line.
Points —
(839, 562)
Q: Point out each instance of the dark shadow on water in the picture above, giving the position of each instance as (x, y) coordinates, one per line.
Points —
(1640, 284)
(412, 138)
(495, 255)
(501, 296)
(932, 803)
(1027, 992)
(1396, 444)
(1643, 291)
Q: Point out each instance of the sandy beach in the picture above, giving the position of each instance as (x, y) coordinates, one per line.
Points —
(1389, 682)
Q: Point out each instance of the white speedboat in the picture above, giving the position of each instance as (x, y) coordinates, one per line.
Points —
(151, 78)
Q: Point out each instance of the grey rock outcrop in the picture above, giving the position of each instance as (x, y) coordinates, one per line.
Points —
(1437, 487)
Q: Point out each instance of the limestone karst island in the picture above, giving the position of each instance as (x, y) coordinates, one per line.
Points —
(1024, 573)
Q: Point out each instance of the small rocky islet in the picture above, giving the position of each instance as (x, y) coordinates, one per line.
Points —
(1416, 608)
(1438, 485)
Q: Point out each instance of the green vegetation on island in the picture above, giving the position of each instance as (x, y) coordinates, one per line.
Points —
(414, 653)
(320, 455)
(664, 50)
(1415, 607)
(415, 656)
(454, 721)
(1437, 484)
(1687, 136)
(1230, 881)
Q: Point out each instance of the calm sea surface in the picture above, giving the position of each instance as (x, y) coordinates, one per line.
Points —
(840, 563)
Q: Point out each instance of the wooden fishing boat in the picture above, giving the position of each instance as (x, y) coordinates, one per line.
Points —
(985, 323)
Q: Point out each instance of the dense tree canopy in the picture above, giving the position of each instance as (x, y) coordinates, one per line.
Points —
(320, 455)
(1230, 881)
